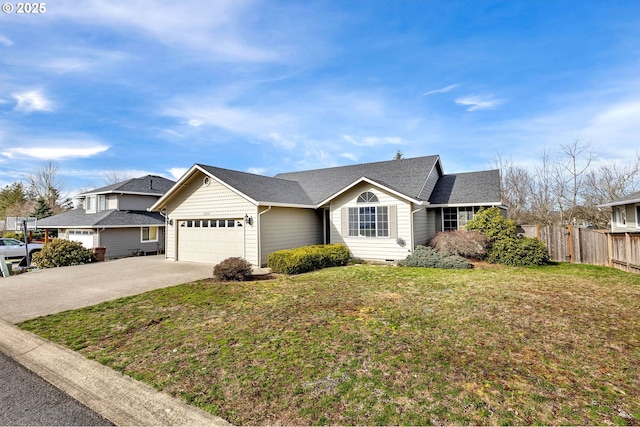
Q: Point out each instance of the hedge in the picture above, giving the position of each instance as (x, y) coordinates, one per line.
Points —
(308, 258)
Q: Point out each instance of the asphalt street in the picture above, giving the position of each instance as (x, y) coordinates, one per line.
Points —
(52, 385)
(27, 399)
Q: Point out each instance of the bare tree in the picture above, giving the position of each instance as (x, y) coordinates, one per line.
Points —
(565, 188)
(607, 183)
(543, 205)
(516, 188)
(46, 184)
(578, 158)
(114, 176)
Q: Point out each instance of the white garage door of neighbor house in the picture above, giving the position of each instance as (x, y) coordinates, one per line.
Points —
(210, 240)
(83, 236)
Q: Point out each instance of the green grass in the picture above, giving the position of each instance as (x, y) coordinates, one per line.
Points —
(379, 345)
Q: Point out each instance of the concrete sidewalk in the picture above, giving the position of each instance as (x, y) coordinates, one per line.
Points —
(118, 398)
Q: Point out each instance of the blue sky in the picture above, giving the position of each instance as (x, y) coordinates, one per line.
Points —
(275, 86)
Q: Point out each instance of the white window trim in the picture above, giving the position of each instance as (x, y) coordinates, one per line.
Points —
(90, 204)
(623, 210)
(637, 210)
(376, 213)
(142, 234)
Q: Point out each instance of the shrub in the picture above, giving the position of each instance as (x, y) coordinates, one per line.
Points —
(13, 235)
(232, 269)
(505, 246)
(425, 256)
(60, 253)
(308, 258)
(468, 244)
(491, 222)
(519, 251)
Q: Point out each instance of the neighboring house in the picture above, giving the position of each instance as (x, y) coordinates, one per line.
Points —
(116, 217)
(378, 210)
(625, 213)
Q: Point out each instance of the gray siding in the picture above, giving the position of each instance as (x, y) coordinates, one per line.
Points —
(132, 202)
(632, 225)
(420, 227)
(123, 242)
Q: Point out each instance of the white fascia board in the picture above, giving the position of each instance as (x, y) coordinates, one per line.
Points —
(621, 203)
(287, 205)
(157, 206)
(460, 205)
(377, 184)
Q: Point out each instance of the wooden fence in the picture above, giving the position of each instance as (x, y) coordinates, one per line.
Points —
(586, 246)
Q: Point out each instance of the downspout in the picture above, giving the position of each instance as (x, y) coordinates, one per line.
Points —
(259, 236)
(163, 213)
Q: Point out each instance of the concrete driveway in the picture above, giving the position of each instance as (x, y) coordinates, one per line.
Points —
(37, 293)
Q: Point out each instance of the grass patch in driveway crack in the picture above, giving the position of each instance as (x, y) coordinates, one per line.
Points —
(379, 345)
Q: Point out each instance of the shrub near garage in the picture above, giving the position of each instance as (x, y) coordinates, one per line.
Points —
(233, 269)
(308, 258)
(61, 253)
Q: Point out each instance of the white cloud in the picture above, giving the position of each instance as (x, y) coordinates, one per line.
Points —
(6, 41)
(282, 142)
(208, 26)
(54, 153)
(372, 141)
(177, 173)
(350, 156)
(33, 100)
(257, 171)
(240, 121)
(442, 90)
(477, 103)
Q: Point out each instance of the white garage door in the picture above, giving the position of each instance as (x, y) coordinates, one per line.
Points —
(210, 240)
(83, 236)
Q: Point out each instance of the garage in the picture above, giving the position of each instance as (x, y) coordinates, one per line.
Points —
(83, 236)
(210, 240)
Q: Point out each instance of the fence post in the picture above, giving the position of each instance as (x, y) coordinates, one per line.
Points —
(570, 237)
(610, 249)
(577, 255)
(627, 249)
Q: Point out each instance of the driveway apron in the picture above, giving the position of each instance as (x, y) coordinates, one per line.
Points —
(38, 293)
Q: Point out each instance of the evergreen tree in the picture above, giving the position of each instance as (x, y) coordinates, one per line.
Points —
(42, 209)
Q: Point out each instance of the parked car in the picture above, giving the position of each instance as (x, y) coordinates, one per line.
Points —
(13, 248)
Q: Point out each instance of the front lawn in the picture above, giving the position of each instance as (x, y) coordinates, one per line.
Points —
(379, 345)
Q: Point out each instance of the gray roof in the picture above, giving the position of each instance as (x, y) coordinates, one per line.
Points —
(150, 184)
(262, 188)
(470, 187)
(630, 198)
(406, 176)
(109, 218)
